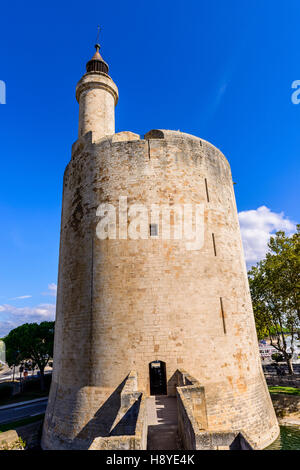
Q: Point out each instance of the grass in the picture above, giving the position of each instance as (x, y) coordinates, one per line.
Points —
(286, 390)
(21, 422)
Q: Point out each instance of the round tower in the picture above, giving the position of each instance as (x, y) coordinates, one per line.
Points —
(136, 293)
(97, 96)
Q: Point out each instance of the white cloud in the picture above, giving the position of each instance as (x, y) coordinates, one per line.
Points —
(5, 327)
(256, 228)
(12, 316)
(52, 290)
(22, 297)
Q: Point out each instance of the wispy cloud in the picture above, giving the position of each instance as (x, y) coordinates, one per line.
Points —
(12, 316)
(5, 327)
(52, 290)
(221, 83)
(21, 297)
(257, 226)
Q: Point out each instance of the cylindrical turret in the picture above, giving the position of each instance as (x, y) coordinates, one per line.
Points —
(97, 96)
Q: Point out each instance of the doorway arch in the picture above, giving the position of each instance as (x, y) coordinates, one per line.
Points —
(158, 378)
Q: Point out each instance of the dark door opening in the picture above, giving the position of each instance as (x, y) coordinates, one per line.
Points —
(158, 378)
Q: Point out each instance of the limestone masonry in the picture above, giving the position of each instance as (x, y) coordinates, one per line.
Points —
(134, 312)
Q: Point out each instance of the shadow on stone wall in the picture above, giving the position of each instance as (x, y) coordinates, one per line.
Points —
(120, 423)
(101, 423)
(240, 443)
(193, 423)
(127, 425)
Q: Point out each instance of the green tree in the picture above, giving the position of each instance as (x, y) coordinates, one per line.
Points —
(31, 341)
(275, 291)
(285, 261)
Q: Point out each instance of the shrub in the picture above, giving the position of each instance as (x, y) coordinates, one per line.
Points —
(277, 357)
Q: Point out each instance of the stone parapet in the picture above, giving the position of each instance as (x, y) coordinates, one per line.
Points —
(192, 420)
(129, 430)
(120, 423)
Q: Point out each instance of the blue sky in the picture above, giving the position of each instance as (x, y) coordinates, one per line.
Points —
(221, 70)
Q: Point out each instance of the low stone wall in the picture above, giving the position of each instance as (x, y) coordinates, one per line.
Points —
(119, 423)
(271, 368)
(129, 430)
(30, 434)
(272, 378)
(191, 397)
(283, 381)
(129, 394)
(136, 441)
(192, 420)
(286, 405)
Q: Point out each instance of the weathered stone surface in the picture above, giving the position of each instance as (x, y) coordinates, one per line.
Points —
(97, 96)
(29, 433)
(285, 405)
(193, 428)
(124, 303)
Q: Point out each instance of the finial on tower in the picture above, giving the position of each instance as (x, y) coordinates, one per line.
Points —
(97, 45)
(97, 96)
(97, 64)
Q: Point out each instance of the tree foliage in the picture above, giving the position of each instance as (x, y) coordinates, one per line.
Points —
(275, 291)
(31, 341)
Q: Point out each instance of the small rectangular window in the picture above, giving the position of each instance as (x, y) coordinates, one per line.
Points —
(153, 230)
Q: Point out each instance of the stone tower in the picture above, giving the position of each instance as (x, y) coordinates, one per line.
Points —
(147, 309)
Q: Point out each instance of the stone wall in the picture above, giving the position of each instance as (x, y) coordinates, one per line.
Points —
(286, 380)
(285, 405)
(120, 423)
(192, 420)
(191, 409)
(122, 440)
(29, 433)
(124, 303)
(129, 430)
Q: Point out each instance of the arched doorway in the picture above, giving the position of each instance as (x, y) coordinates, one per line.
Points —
(158, 378)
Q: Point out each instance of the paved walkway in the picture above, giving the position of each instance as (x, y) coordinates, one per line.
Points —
(162, 423)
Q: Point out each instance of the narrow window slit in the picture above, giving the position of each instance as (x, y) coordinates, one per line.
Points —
(214, 244)
(206, 187)
(153, 230)
(223, 316)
